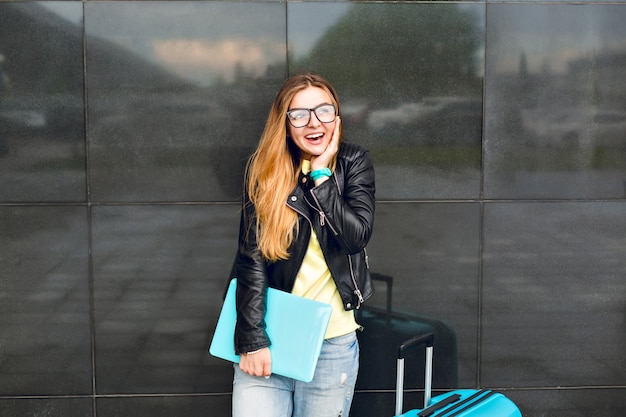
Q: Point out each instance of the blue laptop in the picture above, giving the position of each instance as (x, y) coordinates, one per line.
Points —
(295, 325)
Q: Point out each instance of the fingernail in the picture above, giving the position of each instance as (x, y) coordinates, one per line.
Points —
(267, 377)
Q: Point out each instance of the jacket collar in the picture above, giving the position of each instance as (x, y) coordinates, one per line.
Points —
(296, 199)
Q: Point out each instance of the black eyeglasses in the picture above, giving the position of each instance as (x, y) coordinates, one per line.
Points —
(325, 113)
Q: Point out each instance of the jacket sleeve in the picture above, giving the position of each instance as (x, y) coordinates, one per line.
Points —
(348, 213)
(252, 284)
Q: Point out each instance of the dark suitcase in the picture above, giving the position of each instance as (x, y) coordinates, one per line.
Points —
(457, 403)
(385, 329)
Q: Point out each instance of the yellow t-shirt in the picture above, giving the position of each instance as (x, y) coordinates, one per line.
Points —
(315, 282)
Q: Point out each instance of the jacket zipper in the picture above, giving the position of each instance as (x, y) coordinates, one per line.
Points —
(357, 291)
(318, 208)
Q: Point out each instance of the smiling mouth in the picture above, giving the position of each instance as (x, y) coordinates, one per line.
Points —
(314, 136)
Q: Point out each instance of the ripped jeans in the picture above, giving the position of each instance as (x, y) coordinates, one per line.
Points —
(328, 395)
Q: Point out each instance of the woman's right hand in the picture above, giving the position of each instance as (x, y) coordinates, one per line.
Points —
(323, 160)
(257, 364)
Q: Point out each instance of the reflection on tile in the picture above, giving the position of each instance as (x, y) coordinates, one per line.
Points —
(553, 308)
(159, 277)
(66, 407)
(555, 103)
(42, 139)
(601, 402)
(433, 259)
(44, 300)
(199, 406)
(178, 95)
(413, 97)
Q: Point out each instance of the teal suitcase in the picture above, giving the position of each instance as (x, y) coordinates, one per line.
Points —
(457, 403)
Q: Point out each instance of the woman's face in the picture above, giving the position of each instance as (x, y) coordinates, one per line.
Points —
(314, 137)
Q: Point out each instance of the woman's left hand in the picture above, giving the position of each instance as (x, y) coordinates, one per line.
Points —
(257, 364)
(323, 160)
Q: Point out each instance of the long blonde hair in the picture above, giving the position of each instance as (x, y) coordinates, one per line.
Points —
(272, 172)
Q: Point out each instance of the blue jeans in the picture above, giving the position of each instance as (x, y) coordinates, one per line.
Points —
(329, 394)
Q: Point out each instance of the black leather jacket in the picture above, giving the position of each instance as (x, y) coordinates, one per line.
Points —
(341, 211)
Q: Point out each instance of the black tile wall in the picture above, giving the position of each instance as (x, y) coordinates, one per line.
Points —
(42, 128)
(411, 82)
(44, 320)
(553, 283)
(555, 118)
(217, 405)
(159, 276)
(498, 133)
(46, 407)
(177, 95)
(431, 250)
(605, 402)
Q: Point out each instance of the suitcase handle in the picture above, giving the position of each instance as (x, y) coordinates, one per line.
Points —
(427, 339)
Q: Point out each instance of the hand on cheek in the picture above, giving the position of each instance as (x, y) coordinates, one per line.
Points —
(323, 160)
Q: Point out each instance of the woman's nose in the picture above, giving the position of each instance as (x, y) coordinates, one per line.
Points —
(313, 120)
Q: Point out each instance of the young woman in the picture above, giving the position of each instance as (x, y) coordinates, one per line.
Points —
(308, 213)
